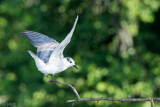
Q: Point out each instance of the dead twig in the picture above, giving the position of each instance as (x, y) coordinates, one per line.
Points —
(116, 99)
(101, 98)
(152, 102)
(69, 85)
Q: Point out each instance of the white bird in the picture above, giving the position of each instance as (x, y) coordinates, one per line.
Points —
(49, 58)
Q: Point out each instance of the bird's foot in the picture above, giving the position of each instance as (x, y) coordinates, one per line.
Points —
(54, 78)
(49, 78)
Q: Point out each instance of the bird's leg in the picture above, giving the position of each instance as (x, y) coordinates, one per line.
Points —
(54, 77)
(48, 78)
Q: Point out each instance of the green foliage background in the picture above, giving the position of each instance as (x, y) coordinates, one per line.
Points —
(116, 46)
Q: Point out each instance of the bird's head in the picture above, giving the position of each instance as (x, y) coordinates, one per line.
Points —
(70, 62)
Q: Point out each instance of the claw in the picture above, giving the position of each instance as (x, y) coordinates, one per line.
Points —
(54, 78)
(48, 78)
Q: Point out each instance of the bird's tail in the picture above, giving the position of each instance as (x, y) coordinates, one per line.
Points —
(32, 54)
(38, 61)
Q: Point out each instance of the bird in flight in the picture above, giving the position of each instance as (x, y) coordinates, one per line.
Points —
(49, 58)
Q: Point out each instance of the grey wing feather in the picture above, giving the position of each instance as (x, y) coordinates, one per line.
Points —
(45, 45)
(37, 39)
(44, 55)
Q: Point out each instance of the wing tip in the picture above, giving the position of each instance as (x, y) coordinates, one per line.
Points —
(29, 51)
(26, 31)
(77, 16)
(23, 31)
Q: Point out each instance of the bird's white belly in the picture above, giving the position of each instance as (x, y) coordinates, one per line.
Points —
(51, 68)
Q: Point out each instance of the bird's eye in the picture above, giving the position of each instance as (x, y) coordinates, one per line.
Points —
(70, 61)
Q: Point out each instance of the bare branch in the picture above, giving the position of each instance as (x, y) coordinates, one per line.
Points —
(69, 85)
(115, 99)
(152, 102)
(109, 99)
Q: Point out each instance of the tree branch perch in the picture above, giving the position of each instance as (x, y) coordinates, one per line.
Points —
(69, 85)
(116, 99)
(108, 99)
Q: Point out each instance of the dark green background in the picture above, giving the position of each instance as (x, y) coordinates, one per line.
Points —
(116, 45)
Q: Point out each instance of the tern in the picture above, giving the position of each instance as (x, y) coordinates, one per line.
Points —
(49, 58)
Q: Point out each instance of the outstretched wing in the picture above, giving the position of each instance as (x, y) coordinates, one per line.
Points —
(45, 45)
(58, 52)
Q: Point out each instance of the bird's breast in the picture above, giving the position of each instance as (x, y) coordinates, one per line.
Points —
(52, 68)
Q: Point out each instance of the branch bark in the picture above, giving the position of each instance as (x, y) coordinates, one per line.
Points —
(152, 102)
(69, 85)
(108, 99)
(119, 100)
